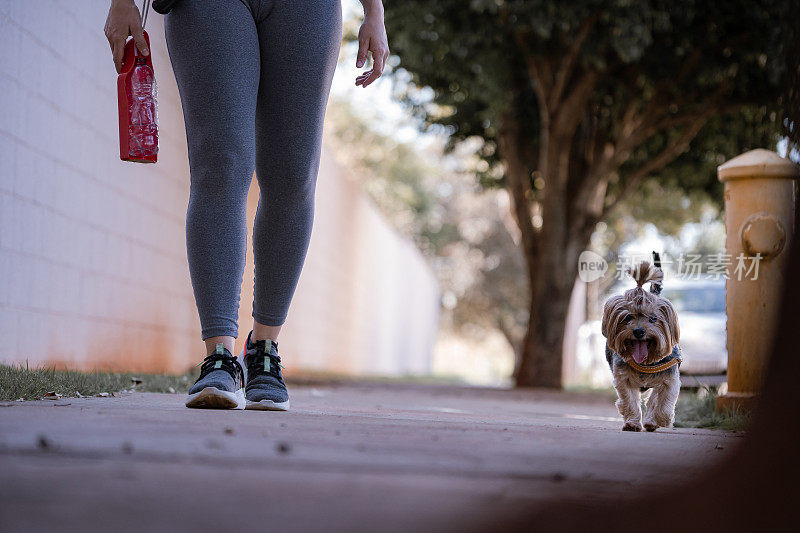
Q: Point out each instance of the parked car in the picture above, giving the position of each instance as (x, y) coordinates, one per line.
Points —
(701, 316)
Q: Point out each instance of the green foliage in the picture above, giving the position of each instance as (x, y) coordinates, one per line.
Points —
(694, 172)
(684, 56)
(791, 104)
(32, 383)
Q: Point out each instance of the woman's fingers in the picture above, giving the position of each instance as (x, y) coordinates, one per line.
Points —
(378, 64)
(379, 56)
(138, 38)
(367, 78)
(363, 77)
(363, 47)
(117, 50)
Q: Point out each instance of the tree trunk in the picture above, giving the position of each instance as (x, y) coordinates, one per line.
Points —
(541, 357)
(553, 271)
(550, 250)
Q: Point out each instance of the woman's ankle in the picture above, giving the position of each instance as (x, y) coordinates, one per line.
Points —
(227, 342)
(264, 332)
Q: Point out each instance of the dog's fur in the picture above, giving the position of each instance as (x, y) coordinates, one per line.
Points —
(637, 308)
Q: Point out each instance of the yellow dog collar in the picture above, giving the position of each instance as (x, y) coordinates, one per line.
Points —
(655, 368)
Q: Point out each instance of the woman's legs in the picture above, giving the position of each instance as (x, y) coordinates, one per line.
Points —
(214, 50)
(254, 79)
(300, 41)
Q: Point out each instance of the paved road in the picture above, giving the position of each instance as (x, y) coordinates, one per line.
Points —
(352, 457)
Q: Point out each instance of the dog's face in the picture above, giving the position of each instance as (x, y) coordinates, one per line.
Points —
(640, 325)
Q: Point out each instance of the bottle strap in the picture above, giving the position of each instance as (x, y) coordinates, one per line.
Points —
(145, 10)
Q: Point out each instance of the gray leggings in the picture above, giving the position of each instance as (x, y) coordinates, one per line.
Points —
(254, 77)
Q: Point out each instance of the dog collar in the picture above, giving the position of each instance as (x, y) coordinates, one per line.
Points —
(656, 367)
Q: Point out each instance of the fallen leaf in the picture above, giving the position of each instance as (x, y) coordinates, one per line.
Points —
(78, 395)
(52, 395)
(102, 394)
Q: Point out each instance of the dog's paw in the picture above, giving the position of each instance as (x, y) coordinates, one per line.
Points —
(650, 426)
(664, 421)
(630, 426)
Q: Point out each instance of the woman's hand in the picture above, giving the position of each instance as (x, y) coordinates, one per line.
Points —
(123, 20)
(372, 38)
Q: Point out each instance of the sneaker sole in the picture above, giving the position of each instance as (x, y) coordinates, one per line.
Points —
(213, 398)
(267, 405)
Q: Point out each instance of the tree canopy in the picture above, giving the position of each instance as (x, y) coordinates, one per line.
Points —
(685, 59)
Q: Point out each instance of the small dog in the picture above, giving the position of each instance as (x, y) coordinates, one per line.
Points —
(641, 329)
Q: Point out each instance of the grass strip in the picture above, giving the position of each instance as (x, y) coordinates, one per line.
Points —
(20, 381)
(699, 410)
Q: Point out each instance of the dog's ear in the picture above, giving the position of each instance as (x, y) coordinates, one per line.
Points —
(671, 318)
(611, 314)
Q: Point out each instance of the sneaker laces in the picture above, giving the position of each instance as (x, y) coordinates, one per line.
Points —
(220, 360)
(261, 361)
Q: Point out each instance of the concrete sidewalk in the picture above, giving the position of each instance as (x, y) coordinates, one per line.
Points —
(348, 457)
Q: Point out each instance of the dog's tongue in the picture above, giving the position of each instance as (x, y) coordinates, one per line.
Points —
(639, 351)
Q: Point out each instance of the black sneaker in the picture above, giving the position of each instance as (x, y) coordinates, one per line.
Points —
(265, 388)
(220, 383)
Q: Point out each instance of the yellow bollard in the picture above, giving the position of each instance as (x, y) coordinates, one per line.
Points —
(759, 223)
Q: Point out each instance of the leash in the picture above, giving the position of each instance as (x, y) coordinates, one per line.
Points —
(145, 10)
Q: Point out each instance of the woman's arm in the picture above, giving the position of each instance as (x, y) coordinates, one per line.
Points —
(372, 38)
(123, 20)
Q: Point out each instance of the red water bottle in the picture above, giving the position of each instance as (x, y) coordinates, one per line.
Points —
(138, 110)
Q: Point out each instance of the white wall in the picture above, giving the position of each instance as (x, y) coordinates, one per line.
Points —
(368, 298)
(93, 266)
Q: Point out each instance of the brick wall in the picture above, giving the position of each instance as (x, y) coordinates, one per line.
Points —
(93, 266)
